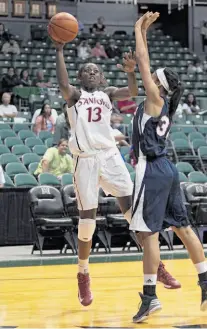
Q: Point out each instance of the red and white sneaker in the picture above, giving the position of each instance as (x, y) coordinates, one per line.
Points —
(166, 278)
(84, 293)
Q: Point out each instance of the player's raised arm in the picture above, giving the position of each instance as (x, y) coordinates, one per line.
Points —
(142, 57)
(69, 92)
(128, 66)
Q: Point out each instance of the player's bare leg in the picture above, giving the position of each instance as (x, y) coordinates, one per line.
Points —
(196, 252)
(163, 275)
(86, 228)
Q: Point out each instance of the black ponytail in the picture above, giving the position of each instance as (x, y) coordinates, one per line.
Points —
(177, 89)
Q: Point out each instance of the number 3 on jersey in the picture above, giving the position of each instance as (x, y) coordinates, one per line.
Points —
(94, 115)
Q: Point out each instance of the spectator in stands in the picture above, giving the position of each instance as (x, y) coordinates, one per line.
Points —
(7, 110)
(99, 27)
(62, 127)
(45, 120)
(116, 122)
(2, 179)
(84, 50)
(3, 34)
(127, 106)
(99, 51)
(37, 113)
(24, 78)
(191, 69)
(199, 67)
(112, 50)
(10, 80)
(190, 105)
(40, 80)
(10, 47)
(56, 160)
(204, 35)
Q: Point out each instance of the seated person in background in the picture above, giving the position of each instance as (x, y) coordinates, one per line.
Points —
(98, 51)
(99, 27)
(56, 160)
(84, 50)
(191, 69)
(45, 120)
(40, 81)
(112, 50)
(3, 34)
(2, 178)
(24, 78)
(190, 105)
(62, 127)
(6, 109)
(127, 106)
(10, 47)
(37, 113)
(10, 80)
(116, 122)
(199, 68)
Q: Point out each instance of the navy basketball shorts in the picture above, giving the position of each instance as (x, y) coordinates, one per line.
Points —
(157, 201)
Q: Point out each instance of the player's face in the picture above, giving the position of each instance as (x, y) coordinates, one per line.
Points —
(91, 76)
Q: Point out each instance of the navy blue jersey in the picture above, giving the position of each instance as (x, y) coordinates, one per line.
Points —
(149, 133)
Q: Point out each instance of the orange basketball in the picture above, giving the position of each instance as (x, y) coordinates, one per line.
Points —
(63, 27)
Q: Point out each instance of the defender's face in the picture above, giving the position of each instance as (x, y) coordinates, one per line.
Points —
(91, 76)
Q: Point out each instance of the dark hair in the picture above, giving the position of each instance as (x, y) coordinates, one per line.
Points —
(177, 89)
(21, 74)
(103, 82)
(62, 140)
(194, 103)
(43, 108)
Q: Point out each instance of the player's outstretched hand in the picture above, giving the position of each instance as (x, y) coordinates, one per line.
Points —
(129, 62)
(149, 20)
(57, 45)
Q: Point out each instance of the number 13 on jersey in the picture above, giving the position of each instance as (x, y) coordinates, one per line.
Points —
(94, 115)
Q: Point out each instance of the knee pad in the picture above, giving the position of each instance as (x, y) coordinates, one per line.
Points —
(86, 228)
(128, 215)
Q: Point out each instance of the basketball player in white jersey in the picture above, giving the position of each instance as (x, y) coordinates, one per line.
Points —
(97, 161)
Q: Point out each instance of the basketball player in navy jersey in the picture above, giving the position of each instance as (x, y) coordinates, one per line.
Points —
(157, 202)
(97, 161)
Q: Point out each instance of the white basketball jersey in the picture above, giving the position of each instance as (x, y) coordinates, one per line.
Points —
(90, 123)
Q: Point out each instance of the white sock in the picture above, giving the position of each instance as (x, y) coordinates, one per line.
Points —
(150, 279)
(201, 267)
(83, 266)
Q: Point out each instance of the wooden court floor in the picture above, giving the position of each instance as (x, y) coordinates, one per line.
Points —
(46, 297)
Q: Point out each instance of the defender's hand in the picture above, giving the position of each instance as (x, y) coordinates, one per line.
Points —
(129, 62)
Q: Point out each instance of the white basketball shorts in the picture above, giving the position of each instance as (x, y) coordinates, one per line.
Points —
(106, 169)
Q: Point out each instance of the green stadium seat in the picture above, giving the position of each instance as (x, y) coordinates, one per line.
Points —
(32, 141)
(28, 158)
(48, 179)
(8, 182)
(127, 118)
(129, 167)
(182, 177)
(178, 135)
(15, 168)
(132, 175)
(195, 135)
(19, 150)
(24, 134)
(4, 149)
(187, 129)
(24, 180)
(196, 143)
(39, 149)
(67, 179)
(4, 133)
(197, 177)
(20, 126)
(49, 142)
(32, 167)
(8, 158)
(202, 130)
(11, 141)
(4, 126)
(184, 167)
(124, 150)
(202, 154)
(174, 129)
(43, 135)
